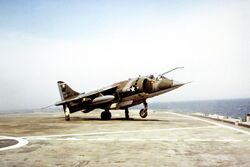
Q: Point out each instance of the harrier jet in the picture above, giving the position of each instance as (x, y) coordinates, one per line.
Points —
(121, 95)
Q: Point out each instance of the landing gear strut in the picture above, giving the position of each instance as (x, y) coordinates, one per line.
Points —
(67, 114)
(106, 115)
(126, 113)
(144, 112)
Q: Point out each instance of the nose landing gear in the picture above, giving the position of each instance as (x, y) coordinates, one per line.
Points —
(144, 112)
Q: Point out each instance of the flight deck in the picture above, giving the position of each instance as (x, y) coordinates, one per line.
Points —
(164, 138)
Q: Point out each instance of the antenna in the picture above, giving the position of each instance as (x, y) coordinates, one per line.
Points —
(170, 71)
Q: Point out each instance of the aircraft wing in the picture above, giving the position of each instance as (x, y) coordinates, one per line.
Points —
(100, 91)
(70, 100)
(106, 91)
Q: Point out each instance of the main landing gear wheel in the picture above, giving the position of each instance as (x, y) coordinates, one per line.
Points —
(67, 114)
(106, 115)
(126, 114)
(143, 113)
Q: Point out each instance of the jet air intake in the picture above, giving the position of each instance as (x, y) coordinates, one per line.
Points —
(138, 85)
(144, 85)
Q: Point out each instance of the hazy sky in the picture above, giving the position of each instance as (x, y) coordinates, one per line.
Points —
(91, 44)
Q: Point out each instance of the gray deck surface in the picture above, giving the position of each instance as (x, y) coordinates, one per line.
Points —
(162, 139)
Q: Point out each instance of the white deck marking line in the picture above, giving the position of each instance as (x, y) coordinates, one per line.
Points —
(148, 140)
(163, 139)
(211, 140)
(211, 122)
(101, 139)
(132, 139)
(198, 140)
(118, 132)
(229, 140)
(70, 139)
(39, 138)
(20, 142)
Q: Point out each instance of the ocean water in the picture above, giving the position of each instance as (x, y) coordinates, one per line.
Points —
(233, 108)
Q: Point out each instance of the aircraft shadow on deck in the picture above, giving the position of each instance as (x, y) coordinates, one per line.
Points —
(76, 119)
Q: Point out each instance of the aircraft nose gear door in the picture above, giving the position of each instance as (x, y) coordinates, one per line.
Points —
(144, 112)
(67, 114)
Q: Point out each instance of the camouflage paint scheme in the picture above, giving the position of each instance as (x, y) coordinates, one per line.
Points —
(121, 95)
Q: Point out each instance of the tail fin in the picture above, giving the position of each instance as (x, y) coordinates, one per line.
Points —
(65, 91)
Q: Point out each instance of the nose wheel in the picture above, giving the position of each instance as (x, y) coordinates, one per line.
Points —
(144, 112)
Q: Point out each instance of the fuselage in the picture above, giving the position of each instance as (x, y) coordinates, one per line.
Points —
(120, 95)
(127, 93)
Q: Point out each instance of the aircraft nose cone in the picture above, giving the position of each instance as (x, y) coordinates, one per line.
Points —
(164, 84)
(177, 83)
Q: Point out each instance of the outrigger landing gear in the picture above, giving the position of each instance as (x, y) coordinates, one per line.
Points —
(106, 115)
(126, 113)
(144, 111)
(67, 114)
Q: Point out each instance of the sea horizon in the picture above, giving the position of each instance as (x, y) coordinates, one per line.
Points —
(237, 107)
